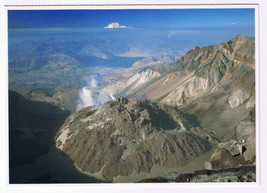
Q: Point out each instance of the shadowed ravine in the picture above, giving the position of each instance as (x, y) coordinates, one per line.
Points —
(33, 157)
(52, 167)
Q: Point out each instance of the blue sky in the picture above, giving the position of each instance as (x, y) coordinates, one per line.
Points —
(158, 18)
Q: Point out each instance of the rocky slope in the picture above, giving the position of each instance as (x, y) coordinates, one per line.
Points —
(127, 136)
(206, 81)
(199, 71)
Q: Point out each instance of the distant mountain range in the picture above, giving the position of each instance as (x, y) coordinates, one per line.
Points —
(52, 72)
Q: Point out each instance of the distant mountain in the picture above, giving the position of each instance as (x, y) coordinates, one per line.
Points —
(206, 81)
(115, 25)
(49, 65)
(125, 137)
(46, 71)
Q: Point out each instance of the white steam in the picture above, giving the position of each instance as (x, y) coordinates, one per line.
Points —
(90, 95)
(93, 84)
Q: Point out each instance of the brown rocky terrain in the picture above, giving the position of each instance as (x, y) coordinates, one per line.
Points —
(203, 102)
(131, 135)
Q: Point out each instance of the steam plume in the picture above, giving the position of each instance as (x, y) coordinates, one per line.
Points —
(90, 95)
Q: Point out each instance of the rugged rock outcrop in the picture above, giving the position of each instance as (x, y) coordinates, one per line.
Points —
(127, 135)
(232, 154)
(227, 155)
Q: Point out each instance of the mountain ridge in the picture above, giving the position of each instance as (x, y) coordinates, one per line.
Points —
(201, 59)
(226, 70)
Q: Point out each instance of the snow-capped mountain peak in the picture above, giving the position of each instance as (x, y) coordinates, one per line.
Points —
(115, 25)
